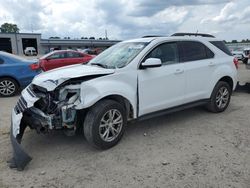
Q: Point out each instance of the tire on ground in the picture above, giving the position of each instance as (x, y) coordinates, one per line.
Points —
(212, 106)
(93, 119)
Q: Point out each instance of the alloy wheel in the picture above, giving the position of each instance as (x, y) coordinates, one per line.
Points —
(222, 97)
(7, 87)
(110, 125)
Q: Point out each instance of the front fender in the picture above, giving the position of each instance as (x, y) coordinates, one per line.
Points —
(94, 90)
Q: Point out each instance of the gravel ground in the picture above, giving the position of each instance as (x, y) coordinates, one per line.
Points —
(191, 148)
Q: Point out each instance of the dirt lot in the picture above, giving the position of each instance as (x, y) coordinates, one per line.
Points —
(191, 148)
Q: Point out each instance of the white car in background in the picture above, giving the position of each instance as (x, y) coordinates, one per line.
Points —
(246, 54)
(238, 54)
(30, 51)
(132, 80)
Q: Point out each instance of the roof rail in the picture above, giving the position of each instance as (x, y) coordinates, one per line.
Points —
(193, 34)
(148, 36)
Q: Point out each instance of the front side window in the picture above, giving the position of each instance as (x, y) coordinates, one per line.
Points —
(167, 53)
(192, 51)
(119, 55)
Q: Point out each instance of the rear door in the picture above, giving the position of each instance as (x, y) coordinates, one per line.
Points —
(161, 87)
(55, 60)
(199, 64)
(72, 58)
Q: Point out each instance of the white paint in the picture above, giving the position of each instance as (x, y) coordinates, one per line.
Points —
(16, 120)
(159, 87)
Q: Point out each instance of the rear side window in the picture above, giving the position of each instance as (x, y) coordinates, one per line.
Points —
(73, 55)
(221, 45)
(193, 50)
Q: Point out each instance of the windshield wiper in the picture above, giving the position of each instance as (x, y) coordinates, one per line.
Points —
(100, 65)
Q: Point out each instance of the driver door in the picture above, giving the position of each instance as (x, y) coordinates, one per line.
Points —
(162, 87)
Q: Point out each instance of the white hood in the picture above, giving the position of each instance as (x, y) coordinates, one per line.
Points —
(51, 79)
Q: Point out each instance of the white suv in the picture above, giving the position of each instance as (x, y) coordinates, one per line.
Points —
(134, 79)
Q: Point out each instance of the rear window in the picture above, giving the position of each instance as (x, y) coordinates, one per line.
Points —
(221, 45)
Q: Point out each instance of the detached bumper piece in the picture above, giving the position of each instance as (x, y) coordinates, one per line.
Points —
(34, 121)
(20, 157)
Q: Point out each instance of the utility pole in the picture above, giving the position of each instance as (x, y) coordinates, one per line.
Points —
(106, 34)
(31, 27)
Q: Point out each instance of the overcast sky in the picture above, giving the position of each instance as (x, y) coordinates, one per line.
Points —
(126, 19)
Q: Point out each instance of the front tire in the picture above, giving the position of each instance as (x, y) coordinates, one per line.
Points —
(220, 97)
(105, 124)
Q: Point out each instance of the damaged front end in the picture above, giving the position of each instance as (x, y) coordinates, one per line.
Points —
(43, 111)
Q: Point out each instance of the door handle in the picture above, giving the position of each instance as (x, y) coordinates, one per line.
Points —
(179, 71)
(211, 64)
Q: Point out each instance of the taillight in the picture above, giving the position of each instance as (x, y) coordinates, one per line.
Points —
(236, 63)
(34, 66)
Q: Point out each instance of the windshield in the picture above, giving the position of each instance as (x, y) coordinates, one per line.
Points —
(47, 55)
(118, 55)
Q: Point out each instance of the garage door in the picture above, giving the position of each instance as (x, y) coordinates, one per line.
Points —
(5, 45)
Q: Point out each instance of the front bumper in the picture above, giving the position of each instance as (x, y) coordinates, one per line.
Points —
(20, 158)
(42, 116)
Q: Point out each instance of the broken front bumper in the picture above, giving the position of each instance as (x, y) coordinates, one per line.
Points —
(58, 115)
(20, 158)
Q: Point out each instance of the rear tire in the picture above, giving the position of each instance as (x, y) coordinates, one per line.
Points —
(105, 124)
(220, 97)
(245, 60)
(8, 87)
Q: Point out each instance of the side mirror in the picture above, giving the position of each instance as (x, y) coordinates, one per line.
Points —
(151, 62)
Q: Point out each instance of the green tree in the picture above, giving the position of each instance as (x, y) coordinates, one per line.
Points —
(9, 28)
(234, 41)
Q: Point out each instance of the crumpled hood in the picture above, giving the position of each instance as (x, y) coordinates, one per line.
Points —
(51, 79)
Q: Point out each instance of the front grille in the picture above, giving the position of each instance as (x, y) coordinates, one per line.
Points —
(37, 89)
(30, 91)
(21, 105)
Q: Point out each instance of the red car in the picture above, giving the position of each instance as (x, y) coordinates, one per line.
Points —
(62, 58)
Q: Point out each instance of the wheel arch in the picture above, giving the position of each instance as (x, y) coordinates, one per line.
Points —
(228, 80)
(124, 102)
(130, 109)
